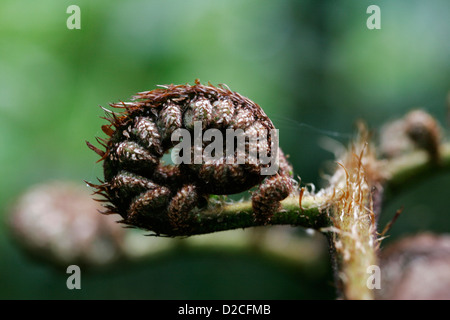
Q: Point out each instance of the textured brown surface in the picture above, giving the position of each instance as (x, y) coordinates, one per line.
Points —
(150, 194)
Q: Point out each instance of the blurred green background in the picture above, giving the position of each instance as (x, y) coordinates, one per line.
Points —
(314, 67)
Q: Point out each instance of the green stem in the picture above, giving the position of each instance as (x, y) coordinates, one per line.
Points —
(240, 215)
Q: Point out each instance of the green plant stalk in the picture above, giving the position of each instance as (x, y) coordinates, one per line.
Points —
(240, 215)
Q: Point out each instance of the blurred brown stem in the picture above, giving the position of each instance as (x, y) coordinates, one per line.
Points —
(409, 169)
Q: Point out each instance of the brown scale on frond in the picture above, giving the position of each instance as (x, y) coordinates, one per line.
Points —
(161, 197)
